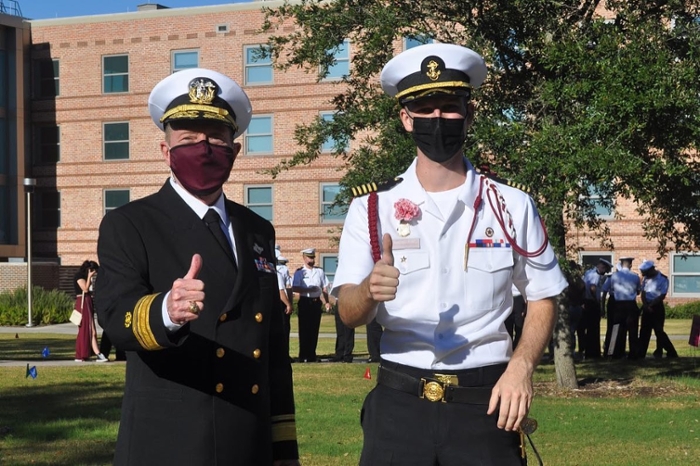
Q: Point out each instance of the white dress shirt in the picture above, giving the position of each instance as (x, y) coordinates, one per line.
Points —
(446, 317)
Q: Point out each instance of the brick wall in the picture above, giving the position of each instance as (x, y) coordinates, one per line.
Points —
(149, 38)
(13, 275)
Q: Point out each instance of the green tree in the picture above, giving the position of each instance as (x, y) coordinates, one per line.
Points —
(574, 103)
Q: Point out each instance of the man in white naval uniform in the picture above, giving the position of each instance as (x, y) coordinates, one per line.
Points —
(449, 244)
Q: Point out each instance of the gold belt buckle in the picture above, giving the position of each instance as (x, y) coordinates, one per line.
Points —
(434, 390)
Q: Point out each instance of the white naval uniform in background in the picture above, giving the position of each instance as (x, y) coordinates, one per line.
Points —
(444, 317)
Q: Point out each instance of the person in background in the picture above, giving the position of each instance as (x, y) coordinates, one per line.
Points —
(285, 286)
(344, 339)
(105, 342)
(311, 284)
(188, 287)
(87, 332)
(374, 337)
(654, 289)
(426, 255)
(626, 285)
(576, 293)
(589, 325)
(516, 320)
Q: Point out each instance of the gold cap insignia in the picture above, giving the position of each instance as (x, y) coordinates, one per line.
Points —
(433, 70)
(202, 91)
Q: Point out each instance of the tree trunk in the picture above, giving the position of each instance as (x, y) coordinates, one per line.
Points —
(563, 348)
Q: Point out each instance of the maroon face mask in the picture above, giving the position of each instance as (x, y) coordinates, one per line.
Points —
(201, 168)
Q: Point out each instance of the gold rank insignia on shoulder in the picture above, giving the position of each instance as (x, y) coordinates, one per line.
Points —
(486, 171)
(375, 187)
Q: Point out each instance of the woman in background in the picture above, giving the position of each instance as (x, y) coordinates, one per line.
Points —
(87, 333)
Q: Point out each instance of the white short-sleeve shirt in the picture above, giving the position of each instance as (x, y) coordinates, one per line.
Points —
(446, 317)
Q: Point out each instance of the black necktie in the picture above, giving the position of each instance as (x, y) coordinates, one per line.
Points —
(213, 220)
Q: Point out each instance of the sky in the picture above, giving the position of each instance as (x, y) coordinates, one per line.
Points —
(46, 9)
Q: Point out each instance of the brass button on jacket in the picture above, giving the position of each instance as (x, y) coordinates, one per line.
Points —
(220, 352)
(219, 387)
(256, 353)
(258, 317)
(254, 389)
(223, 317)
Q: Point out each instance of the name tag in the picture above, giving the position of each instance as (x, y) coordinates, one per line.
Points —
(406, 243)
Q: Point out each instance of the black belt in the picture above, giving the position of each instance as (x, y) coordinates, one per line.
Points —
(439, 387)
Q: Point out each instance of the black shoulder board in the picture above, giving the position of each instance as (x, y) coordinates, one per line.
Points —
(375, 187)
(486, 171)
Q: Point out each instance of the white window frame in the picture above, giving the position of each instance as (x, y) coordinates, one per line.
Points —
(607, 255)
(105, 142)
(338, 61)
(323, 204)
(321, 264)
(247, 66)
(106, 209)
(415, 37)
(105, 75)
(173, 53)
(331, 146)
(673, 274)
(248, 204)
(271, 135)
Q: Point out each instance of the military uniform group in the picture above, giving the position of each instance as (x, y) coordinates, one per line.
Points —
(189, 287)
(615, 295)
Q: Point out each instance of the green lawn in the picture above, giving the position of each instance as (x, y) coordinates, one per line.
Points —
(641, 413)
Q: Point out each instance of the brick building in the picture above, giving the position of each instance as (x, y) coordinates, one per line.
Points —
(93, 146)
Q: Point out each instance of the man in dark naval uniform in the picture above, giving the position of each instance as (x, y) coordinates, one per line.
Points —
(188, 288)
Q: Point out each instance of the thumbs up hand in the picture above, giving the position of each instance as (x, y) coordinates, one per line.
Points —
(384, 279)
(186, 298)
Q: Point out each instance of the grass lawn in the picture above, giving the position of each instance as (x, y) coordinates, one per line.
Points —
(625, 413)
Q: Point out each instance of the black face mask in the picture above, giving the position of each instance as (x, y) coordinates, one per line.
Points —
(439, 138)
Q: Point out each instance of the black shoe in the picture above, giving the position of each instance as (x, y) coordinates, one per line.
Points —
(658, 355)
(672, 355)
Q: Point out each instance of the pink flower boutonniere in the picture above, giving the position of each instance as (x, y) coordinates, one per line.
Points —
(406, 212)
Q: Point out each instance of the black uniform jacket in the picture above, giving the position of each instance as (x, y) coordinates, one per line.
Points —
(219, 390)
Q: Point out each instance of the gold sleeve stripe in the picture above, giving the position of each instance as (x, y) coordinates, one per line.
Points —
(141, 323)
(284, 432)
(282, 417)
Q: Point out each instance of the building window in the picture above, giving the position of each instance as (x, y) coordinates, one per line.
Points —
(259, 200)
(602, 204)
(331, 212)
(116, 141)
(258, 138)
(183, 59)
(115, 198)
(329, 264)
(47, 209)
(414, 41)
(341, 68)
(46, 78)
(330, 142)
(115, 74)
(589, 259)
(258, 65)
(685, 275)
(47, 144)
